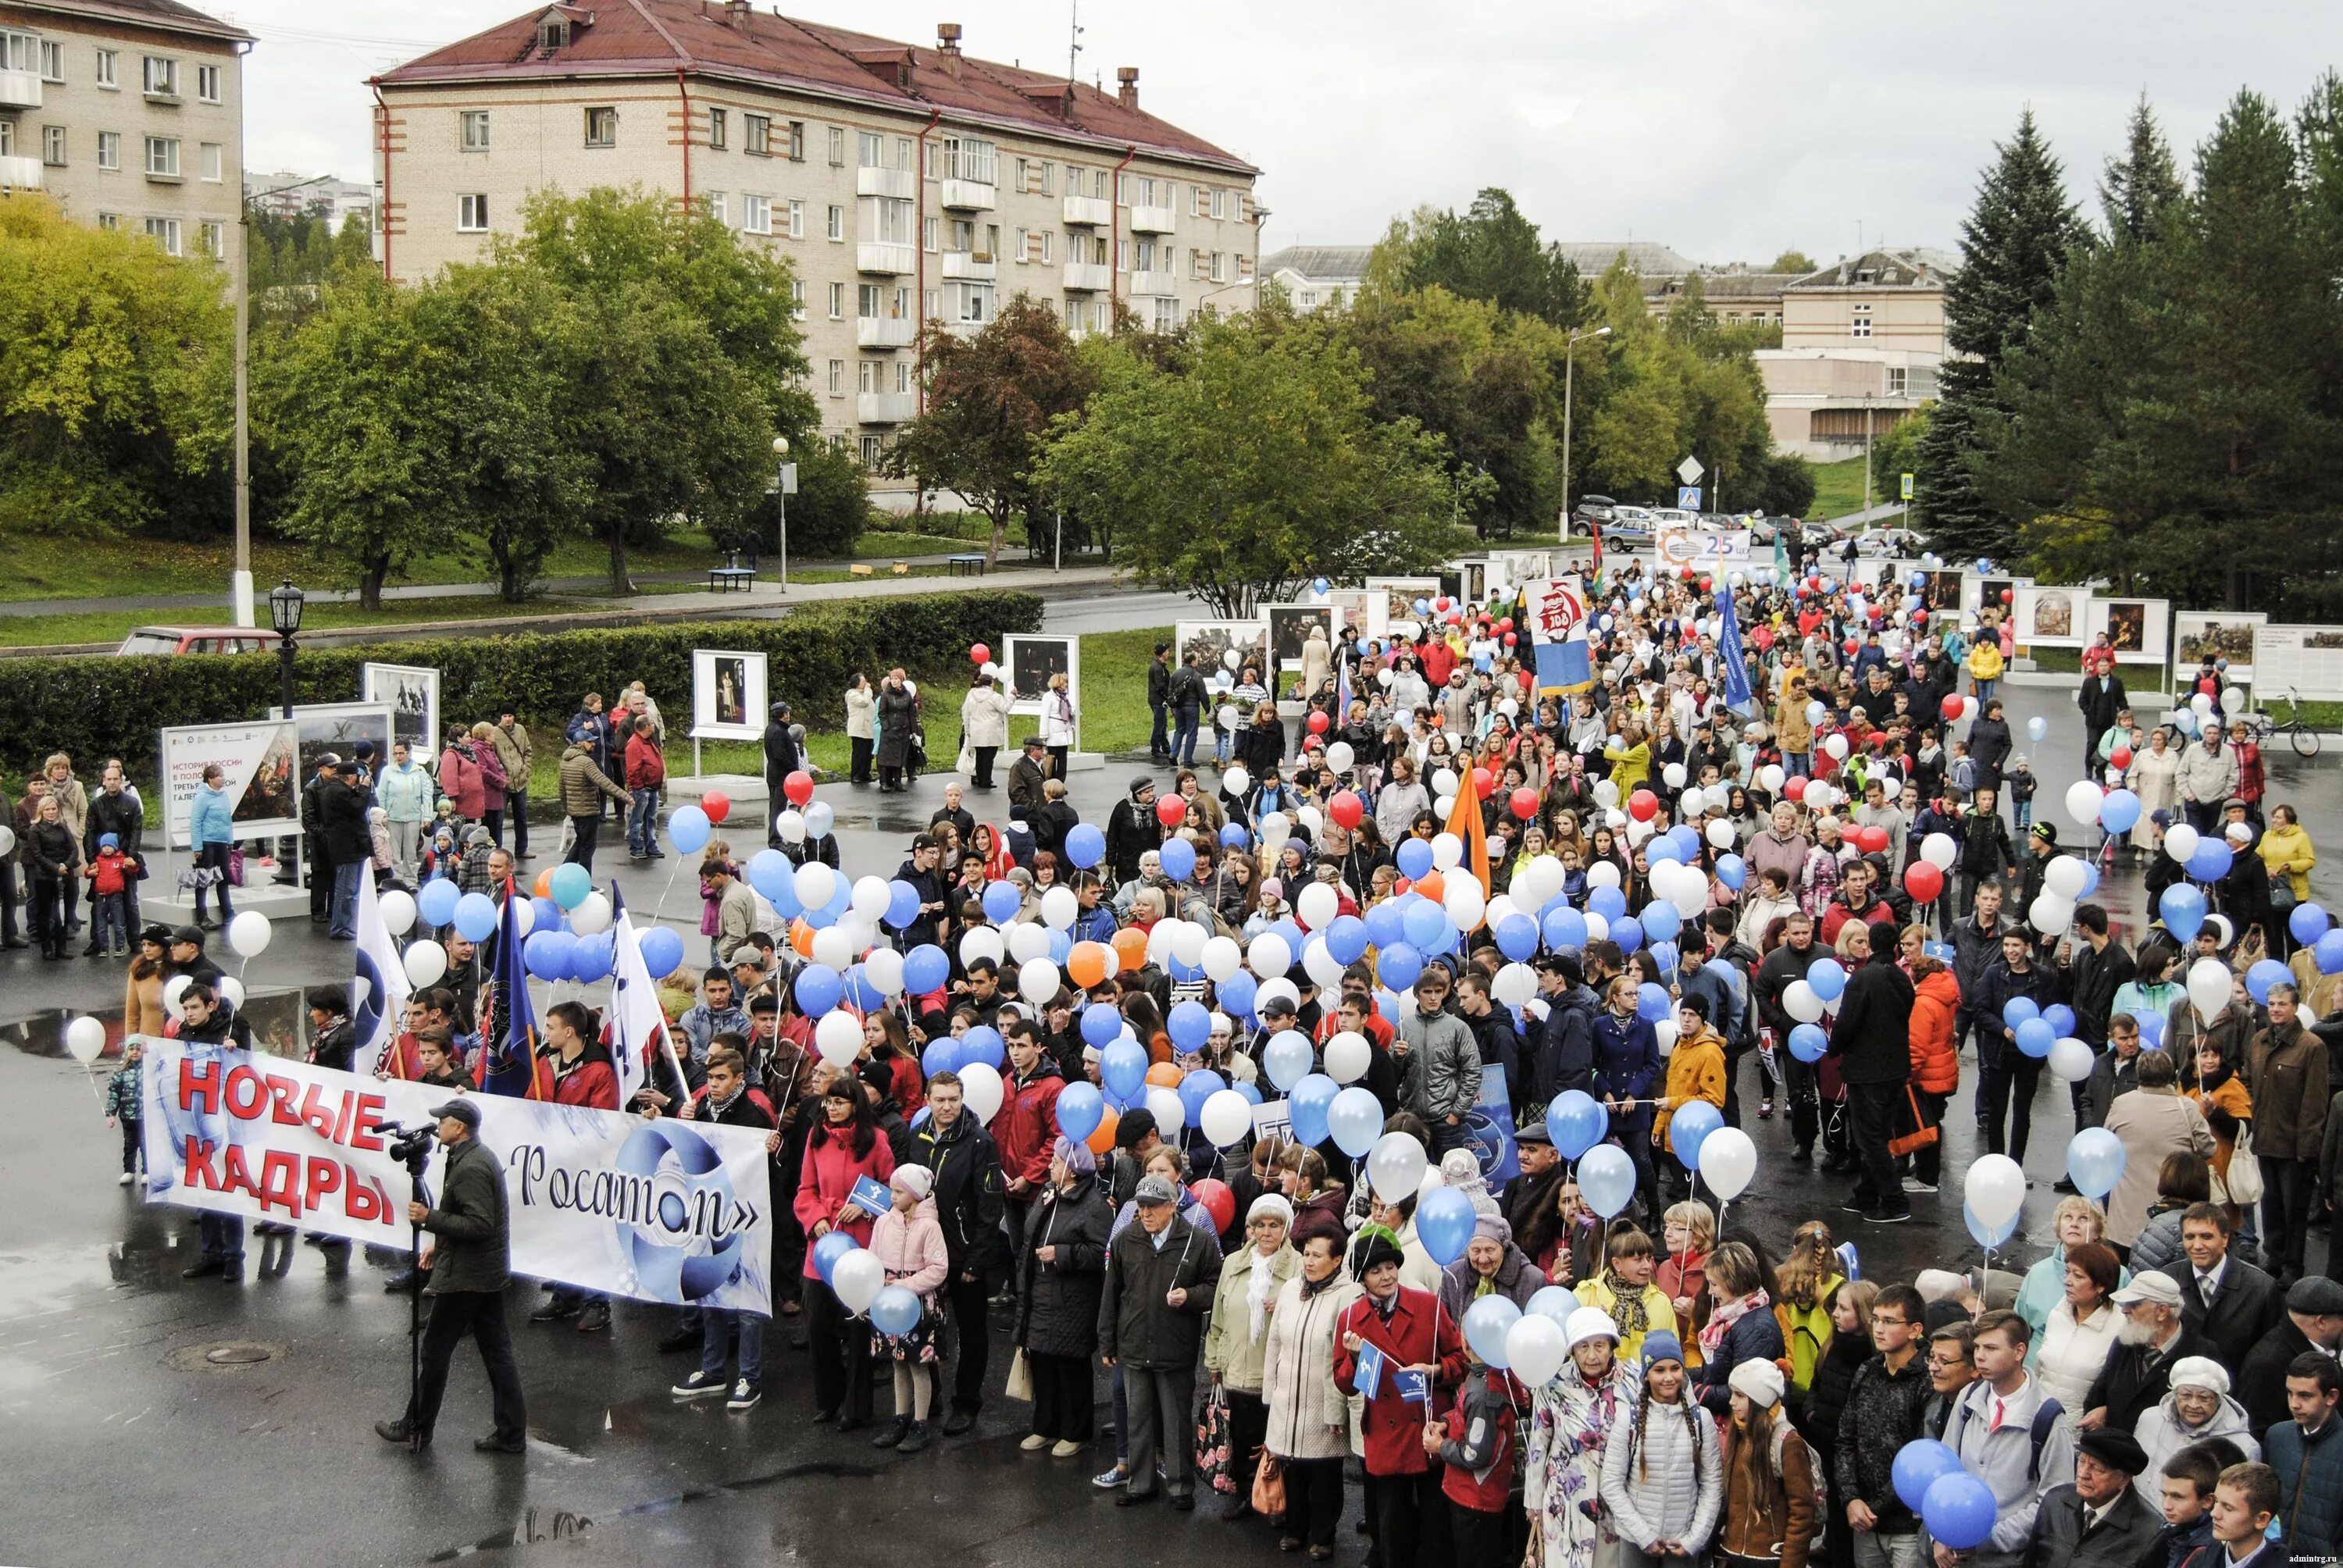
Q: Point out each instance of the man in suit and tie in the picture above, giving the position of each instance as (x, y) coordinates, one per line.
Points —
(2226, 1299)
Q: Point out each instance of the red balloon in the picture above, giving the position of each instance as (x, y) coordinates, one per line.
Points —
(1218, 1201)
(1954, 707)
(1171, 810)
(1319, 723)
(716, 804)
(797, 787)
(2007, 596)
(1441, 603)
(1506, 624)
(1851, 644)
(1525, 802)
(979, 653)
(1795, 788)
(1643, 805)
(1346, 808)
(1482, 783)
(1508, 639)
(2120, 756)
(1528, 680)
(1871, 840)
(1925, 880)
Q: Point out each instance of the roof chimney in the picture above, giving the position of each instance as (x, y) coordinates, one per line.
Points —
(736, 12)
(1129, 92)
(948, 45)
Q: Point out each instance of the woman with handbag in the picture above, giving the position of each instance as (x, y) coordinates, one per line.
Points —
(1936, 1058)
(1060, 1280)
(1237, 1344)
(1309, 1418)
(2228, 1110)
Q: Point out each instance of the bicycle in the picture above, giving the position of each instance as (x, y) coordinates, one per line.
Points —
(2297, 729)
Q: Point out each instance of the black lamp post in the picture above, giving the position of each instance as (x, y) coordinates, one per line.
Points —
(284, 614)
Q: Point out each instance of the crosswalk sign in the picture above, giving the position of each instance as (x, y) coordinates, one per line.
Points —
(1907, 487)
(1688, 498)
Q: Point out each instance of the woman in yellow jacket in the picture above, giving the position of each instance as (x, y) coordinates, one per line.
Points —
(1984, 663)
(1624, 1289)
(1631, 766)
(2286, 852)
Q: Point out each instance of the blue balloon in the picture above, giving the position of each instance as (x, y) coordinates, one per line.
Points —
(1398, 965)
(1554, 1301)
(475, 917)
(1443, 1223)
(1994, 1236)
(1414, 858)
(548, 914)
(1251, 1093)
(1355, 1120)
(1001, 902)
(1517, 937)
(1828, 979)
(1628, 932)
(897, 1312)
(1959, 1511)
(1663, 848)
(1687, 1128)
(819, 989)
(943, 1056)
(437, 902)
(1608, 902)
(1386, 922)
(1080, 1109)
(1287, 1058)
(1422, 926)
(1346, 938)
(1235, 994)
(547, 954)
(1123, 1067)
(2119, 811)
(1575, 1122)
(2306, 924)
(1664, 954)
(1234, 836)
(2183, 909)
(1296, 939)
(1487, 1321)
(1652, 1002)
(1606, 1180)
(983, 1043)
(925, 969)
(2328, 953)
(1661, 920)
(1100, 1025)
(902, 903)
(2211, 861)
(2151, 1029)
(1565, 928)
(1190, 1025)
(1919, 1465)
(688, 828)
(767, 870)
(2017, 1009)
(1195, 1089)
(1178, 859)
(2264, 975)
(1312, 1098)
(1808, 1043)
(1085, 846)
(2035, 1037)
(591, 960)
(828, 1250)
(2095, 1161)
(662, 951)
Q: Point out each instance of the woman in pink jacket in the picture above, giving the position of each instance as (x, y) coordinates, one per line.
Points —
(460, 780)
(844, 1146)
(909, 1241)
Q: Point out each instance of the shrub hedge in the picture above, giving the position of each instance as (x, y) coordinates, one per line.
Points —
(100, 706)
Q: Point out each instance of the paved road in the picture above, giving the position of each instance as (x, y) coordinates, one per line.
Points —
(109, 1410)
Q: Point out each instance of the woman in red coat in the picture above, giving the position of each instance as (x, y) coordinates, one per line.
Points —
(843, 1147)
(1413, 1336)
(1935, 1053)
(460, 778)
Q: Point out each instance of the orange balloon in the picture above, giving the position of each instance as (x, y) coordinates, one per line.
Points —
(1163, 1075)
(1130, 946)
(801, 939)
(1101, 1138)
(1431, 885)
(1089, 963)
(544, 883)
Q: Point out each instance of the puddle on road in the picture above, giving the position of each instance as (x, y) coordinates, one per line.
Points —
(538, 1527)
(279, 1017)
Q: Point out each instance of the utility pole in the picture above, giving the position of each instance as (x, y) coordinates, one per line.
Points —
(240, 586)
(1866, 451)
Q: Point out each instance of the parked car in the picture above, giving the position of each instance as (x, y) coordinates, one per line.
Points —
(197, 640)
(1630, 525)
(1891, 544)
(1674, 517)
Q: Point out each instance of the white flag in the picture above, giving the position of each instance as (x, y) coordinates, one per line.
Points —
(379, 992)
(639, 1022)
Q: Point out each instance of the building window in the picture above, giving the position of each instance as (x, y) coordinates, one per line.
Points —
(1145, 254)
(1220, 266)
(756, 213)
(52, 147)
(1897, 380)
(866, 375)
(797, 297)
(887, 220)
(930, 232)
(867, 296)
(1049, 248)
(1122, 190)
(929, 300)
(716, 207)
(972, 159)
(475, 130)
(214, 235)
(472, 214)
(162, 77)
(52, 61)
(553, 33)
(1024, 171)
(837, 223)
(107, 59)
(602, 127)
(838, 146)
(109, 220)
(208, 84)
(1862, 327)
(1309, 300)
(1219, 204)
(162, 154)
(757, 135)
(837, 377)
(797, 219)
(166, 231)
(209, 153)
(902, 375)
(868, 148)
(1167, 316)
(872, 452)
(719, 128)
(1022, 239)
(19, 51)
(109, 150)
(1049, 178)
(797, 141)
(838, 302)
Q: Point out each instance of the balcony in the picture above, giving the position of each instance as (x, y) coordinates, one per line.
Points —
(969, 266)
(885, 331)
(1088, 277)
(20, 172)
(878, 256)
(969, 196)
(886, 407)
(20, 89)
(1144, 284)
(897, 184)
(1152, 220)
(1093, 211)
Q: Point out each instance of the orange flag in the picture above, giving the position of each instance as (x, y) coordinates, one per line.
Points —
(1464, 822)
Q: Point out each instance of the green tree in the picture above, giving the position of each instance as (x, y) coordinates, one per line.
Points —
(1896, 454)
(115, 377)
(1490, 251)
(1251, 465)
(2014, 243)
(831, 507)
(1793, 261)
(992, 398)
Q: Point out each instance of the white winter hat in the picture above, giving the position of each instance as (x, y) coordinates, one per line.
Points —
(916, 1180)
(1275, 1206)
(1590, 1323)
(1759, 1380)
(2199, 1372)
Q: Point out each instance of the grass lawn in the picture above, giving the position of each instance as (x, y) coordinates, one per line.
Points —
(109, 626)
(1838, 489)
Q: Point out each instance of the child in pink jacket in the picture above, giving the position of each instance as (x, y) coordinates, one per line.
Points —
(908, 1241)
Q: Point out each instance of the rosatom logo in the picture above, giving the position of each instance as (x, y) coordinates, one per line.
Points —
(685, 1240)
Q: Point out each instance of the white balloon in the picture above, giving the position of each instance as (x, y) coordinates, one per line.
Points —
(1836, 746)
(1770, 778)
(1692, 802)
(1536, 883)
(1226, 1118)
(2180, 841)
(1187, 943)
(7, 838)
(592, 915)
(981, 1089)
(1318, 905)
(1028, 941)
(980, 942)
(1667, 1030)
(1606, 792)
(1059, 906)
(524, 914)
(817, 884)
(1170, 1116)
(2065, 876)
(1799, 1000)
(176, 987)
(1221, 960)
(1447, 851)
(248, 934)
(1603, 874)
(1236, 780)
(1720, 834)
(1515, 984)
(1729, 1160)
(426, 962)
(397, 909)
(1159, 941)
(791, 825)
(1536, 1347)
(2209, 986)
(832, 946)
(1673, 775)
(2202, 704)
(870, 897)
(1338, 757)
(1320, 965)
(1995, 1187)
(1445, 781)
(1311, 819)
(883, 968)
(1269, 957)
(1348, 1055)
(1280, 987)
(1598, 927)
(1396, 1165)
(1501, 905)
(85, 1038)
(1037, 980)
(2049, 913)
(231, 991)
(1442, 807)
(838, 1036)
(1939, 851)
(856, 1279)
(2071, 1060)
(2082, 798)
(1465, 902)
(1275, 829)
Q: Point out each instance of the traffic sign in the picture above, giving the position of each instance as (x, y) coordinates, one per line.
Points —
(1688, 498)
(1690, 471)
(1907, 487)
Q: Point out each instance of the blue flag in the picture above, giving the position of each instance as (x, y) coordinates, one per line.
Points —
(1737, 695)
(509, 1034)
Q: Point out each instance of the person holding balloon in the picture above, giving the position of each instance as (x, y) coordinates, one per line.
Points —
(1627, 1068)
(1419, 1358)
(842, 1146)
(1574, 1412)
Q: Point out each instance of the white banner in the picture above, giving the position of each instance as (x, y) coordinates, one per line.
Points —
(664, 1211)
(1681, 548)
(257, 759)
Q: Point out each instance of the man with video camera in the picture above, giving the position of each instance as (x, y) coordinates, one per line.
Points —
(468, 1262)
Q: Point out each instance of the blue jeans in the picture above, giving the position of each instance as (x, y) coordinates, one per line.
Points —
(113, 921)
(643, 822)
(718, 1329)
(1183, 736)
(222, 1238)
(1985, 690)
(1794, 764)
(345, 899)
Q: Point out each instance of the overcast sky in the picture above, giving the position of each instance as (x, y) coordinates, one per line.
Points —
(1729, 129)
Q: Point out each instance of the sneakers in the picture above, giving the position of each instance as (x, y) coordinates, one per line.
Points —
(892, 1433)
(126, 1180)
(744, 1395)
(1105, 1480)
(595, 1317)
(1066, 1448)
(1883, 1216)
(1766, 1111)
(1914, 1184)
(554, 1310)
(1034, 1443)
(700, 1385)
(915, 1437)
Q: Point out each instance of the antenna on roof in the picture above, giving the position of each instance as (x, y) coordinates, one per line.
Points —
(1074, 43)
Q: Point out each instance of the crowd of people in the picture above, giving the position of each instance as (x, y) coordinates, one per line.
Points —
(1692, 895)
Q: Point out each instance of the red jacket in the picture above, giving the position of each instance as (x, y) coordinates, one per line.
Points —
(461, 781)
(1936, 1054)
(1491, 1492)
(646, 765)
(590, 1080)
(1393, 1428)
(827, 1180)
(1439, 661)
(1027, 1124)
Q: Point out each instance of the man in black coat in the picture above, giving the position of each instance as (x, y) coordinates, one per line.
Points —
(2098, 1519)
(968, 1203)
(1785, 964)
(2101, 698)
(115, 810)
(2228, 1300)
(2313, 1321)
(313, 835)
(1564, 1053)
(921, 871)
(1159, 701)
(1131, 830)
(781, 759)
(1872, 1040)
(349, 845)
(2153, 1337)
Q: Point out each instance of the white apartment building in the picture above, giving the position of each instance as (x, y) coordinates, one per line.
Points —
(288, 194)
(129, 114)
(903, 183)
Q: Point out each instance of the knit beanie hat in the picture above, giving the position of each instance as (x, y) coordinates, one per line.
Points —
(1659, 1345)
(1759, 1380)
(1077, 1156)
(916, 1180)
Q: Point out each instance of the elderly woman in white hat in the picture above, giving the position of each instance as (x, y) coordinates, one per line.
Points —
(1237, 1344)
(2197, 1407)
(1572, 1418)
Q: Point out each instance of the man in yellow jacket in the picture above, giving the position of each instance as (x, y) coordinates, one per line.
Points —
(1696, 1072)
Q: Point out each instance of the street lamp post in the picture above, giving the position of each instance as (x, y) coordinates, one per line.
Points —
(781, 499)
(1569, 378)
(285, 603)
